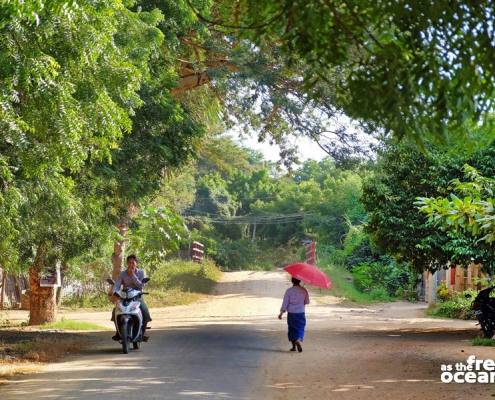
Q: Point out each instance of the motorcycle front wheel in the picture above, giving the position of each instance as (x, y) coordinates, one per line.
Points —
(125, 337)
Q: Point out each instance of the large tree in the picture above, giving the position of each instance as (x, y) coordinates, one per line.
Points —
(413, 68)
(70, 83)
(394, 221)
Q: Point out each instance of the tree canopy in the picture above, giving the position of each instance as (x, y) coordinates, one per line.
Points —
(416, 69)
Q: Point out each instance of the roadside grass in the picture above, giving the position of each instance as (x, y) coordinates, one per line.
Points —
(342, 286)
(96, 302)
(175, 282)
(23, 351)
(483, 342)
(179, 282)
(71, 325)
(456, 308)
(8, 369)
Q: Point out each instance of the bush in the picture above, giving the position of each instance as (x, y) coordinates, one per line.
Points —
(236, 254)
(388, 278)
(379, 294)
(246, 254)
(443, 293)
(184, 275)
(457, 307)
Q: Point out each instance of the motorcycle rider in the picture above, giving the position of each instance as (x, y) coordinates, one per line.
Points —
(132, 277)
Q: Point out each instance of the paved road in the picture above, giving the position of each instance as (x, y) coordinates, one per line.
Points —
(230, 346)
(216, 362)
(208, 350)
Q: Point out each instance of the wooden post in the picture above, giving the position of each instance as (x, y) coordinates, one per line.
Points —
(432, 288)
(459, 279)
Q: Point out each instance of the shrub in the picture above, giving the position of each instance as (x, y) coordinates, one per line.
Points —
(459, 306)
(390, 277)
(236, 254)
(443, 293)
(380, 294)
(184, 275)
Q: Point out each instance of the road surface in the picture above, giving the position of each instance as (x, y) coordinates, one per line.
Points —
(231, 346)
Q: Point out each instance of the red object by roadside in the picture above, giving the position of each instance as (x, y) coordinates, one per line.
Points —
(309, 274)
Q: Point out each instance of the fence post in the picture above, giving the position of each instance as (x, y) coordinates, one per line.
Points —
(311, 253)
(197, 252)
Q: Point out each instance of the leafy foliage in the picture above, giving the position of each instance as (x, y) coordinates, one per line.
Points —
(413, 68)
(459, 306)
(157, 233)
(388, 278)
(473, 213)
(394, 223)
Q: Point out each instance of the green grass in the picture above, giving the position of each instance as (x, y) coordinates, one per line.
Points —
(97, 301)
(459, 307)
(67, 324)
(342, 286)
(174, 282)
(483, 342)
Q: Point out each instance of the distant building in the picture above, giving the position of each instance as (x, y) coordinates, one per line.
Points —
(457, 279)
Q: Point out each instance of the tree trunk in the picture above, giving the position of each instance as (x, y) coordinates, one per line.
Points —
(118, 252)
(42, 304)
(60, 289)
(4, 282)
(58, 295)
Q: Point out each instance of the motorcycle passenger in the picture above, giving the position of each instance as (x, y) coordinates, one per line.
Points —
(132, 278)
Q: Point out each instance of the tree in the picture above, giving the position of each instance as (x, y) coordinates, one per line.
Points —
(416, 69)
(472, 212)
(156, 233)
(394, 223)
(69, 86)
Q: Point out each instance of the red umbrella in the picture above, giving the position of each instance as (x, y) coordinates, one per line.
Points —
(309, 274)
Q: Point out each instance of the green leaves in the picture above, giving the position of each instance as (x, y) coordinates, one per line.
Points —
(474, 214)
(158, 232)
(70, 77)
(416, 69)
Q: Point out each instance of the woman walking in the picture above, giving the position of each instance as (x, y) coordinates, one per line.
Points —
(295, 299)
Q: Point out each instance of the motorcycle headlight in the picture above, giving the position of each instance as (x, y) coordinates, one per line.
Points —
(121, 306)
(135, 306)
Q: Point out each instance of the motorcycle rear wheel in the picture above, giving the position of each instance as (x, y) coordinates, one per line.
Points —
(488, 333)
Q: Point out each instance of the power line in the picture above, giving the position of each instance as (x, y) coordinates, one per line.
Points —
(257, 219)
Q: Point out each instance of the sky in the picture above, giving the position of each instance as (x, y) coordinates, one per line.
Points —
(308, 149)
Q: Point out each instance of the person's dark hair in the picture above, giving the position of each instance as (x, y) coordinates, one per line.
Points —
(295, 281)
(132, 257)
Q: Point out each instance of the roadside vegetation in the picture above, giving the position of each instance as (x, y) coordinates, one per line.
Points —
(70, 325)
(483, 342)
(453, 304)
(22, 351)
(173, 282)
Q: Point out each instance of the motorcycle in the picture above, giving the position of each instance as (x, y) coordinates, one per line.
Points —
(483, 307)
(129, 317)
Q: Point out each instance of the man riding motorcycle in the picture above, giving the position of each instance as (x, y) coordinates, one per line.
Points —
(132, 277)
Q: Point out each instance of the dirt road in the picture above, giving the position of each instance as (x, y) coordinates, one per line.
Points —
(231, 346)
